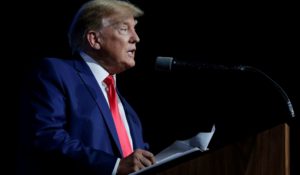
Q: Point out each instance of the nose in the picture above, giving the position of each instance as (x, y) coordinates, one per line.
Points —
(134, 37)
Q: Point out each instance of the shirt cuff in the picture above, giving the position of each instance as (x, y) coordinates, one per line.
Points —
(116, 167)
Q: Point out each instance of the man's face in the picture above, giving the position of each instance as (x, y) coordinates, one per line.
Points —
(118, 44)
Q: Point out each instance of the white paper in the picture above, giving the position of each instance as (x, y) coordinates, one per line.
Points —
(201, 140)
(177, 149)
(181, 148)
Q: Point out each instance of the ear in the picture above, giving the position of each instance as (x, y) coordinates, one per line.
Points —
(94, 40)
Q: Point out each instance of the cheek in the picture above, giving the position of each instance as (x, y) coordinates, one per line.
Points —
(117, 44)
(121, 40)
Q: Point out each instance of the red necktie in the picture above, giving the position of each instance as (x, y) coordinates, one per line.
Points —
(113, 103)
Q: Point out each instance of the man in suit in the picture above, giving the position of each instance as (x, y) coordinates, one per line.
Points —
(69, 109)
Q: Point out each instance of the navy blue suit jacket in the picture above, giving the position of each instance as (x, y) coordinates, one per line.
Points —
(71, 124)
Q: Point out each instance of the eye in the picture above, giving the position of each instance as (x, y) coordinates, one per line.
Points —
(123, 29)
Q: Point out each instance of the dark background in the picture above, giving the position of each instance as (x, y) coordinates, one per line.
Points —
(177, 105)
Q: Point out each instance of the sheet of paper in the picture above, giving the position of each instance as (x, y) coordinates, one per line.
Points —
(167, 159)
(201, 140)
(178, 148)
(181, 148)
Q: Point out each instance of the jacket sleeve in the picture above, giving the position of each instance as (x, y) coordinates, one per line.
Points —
(47, 111)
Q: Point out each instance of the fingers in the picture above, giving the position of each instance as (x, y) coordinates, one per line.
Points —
(150, 157)
(144, 161)
(143, 158)
(139, 159)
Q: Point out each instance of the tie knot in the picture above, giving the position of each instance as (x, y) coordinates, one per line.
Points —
(109, 80)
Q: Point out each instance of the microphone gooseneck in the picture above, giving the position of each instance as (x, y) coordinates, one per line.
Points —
(277, 86)
(170, 64)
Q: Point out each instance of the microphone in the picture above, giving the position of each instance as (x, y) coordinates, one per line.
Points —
(170, 64)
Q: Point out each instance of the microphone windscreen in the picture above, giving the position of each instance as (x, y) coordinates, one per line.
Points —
(163, 63)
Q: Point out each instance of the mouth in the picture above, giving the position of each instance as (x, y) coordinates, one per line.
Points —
(131, 53)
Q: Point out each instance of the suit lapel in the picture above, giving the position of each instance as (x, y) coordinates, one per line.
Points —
(92, 85)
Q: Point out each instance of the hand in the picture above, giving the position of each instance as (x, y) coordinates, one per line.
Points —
(137, 160)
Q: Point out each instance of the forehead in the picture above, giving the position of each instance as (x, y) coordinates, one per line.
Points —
(118, 19)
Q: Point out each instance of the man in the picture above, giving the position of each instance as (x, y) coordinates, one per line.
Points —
(78, 125)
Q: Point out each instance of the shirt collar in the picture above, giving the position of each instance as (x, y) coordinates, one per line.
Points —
(99, 72)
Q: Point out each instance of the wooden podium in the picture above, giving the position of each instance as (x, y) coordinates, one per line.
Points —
(265, 153)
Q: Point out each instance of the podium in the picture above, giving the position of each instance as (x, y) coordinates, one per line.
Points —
(265, 153)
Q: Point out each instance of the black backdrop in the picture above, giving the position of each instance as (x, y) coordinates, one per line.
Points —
(263, 35)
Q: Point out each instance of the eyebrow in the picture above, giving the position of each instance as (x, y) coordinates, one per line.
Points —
(117, 22)
(124, 22)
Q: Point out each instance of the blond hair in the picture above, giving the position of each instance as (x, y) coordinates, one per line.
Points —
(90, 17)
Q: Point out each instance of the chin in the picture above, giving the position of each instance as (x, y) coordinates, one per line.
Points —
(129, 66)
(130, 63)
(126, 66)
